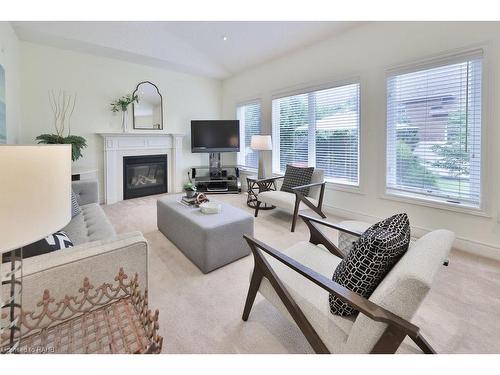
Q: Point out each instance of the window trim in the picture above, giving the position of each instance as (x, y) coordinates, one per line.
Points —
(239, 157)
(447, 58)
(318, 86)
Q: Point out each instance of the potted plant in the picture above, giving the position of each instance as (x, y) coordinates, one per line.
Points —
(190, 189)
(122, 105)
(63, 106)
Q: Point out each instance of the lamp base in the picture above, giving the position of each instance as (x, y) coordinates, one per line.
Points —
(262, 169)
(10, 315)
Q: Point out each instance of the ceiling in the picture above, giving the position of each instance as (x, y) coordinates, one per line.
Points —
(212, 49)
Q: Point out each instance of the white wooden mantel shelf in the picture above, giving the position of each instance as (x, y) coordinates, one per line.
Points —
(118, 145)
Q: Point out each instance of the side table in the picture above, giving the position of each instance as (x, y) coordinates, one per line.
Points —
(256, 186)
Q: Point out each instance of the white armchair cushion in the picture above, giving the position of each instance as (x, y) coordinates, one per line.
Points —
(312, 299)
(283, 200)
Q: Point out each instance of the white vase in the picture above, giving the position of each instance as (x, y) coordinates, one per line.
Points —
(124, 121)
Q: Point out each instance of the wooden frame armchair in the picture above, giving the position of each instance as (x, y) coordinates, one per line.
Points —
(296, 201)
(288, 280)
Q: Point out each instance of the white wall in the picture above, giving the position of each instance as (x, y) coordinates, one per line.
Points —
(366, 52)
(9, 59)
(98, 81)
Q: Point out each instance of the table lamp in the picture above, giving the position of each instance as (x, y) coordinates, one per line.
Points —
(261, 143)
(35, 201)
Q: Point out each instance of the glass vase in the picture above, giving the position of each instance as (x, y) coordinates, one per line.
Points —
(124, 121)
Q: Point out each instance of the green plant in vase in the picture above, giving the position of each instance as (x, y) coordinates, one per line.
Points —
(62, 106)
(189, 188)
(122, 105)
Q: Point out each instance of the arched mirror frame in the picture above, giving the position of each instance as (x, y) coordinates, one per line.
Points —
(161, 105)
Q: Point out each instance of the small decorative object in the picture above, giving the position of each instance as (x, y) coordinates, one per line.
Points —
(195, 200)
(201, 198)
(63, 105)
(210, 208)
(261, 143)
(190, 187)
(122, 105)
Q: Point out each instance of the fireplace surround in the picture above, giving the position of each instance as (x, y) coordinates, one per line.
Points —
(117, 146)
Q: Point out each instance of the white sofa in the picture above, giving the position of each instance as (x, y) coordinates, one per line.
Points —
(98, 254)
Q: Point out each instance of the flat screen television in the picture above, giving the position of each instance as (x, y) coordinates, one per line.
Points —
(215, 136)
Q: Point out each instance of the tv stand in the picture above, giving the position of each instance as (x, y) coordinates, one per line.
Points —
(214, 164)
(223, 180)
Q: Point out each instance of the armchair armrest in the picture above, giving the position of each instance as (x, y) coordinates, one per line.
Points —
(62, 272)
(297, 188)
(86, 191)
(365, 306)
(269, 179)
(308, 219)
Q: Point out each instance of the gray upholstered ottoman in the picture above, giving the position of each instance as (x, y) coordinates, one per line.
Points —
(209, 241)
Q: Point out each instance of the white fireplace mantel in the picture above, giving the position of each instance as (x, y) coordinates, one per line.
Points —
(118, 145)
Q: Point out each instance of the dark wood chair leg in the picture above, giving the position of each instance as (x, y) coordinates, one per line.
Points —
(295, 213)
(252, 292)
(257, 206)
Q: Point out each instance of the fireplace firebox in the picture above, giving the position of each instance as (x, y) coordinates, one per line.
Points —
(144, 175)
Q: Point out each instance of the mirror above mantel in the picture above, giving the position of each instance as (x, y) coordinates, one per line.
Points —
(147, 113)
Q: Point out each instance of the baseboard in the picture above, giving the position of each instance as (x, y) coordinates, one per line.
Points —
(464, 244)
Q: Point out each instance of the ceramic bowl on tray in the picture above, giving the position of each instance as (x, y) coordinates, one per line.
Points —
(210, 208)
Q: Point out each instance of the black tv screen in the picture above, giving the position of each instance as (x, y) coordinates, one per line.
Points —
(215, 136)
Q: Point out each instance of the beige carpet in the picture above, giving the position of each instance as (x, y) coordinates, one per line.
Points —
(202, 313)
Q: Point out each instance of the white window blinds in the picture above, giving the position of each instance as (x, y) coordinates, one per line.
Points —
(434, 132)
(320, 129)
(250, 124)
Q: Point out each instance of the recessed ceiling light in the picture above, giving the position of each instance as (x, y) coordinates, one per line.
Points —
(224, 38)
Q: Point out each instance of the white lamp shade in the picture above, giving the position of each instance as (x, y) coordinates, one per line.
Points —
(261, 143)
(35, 193)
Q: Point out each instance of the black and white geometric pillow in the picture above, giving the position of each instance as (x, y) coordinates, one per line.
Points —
(75, 207)
(371, 258)
(56, 241)
(297, 176)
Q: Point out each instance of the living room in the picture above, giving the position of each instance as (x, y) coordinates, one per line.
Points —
(249, 186)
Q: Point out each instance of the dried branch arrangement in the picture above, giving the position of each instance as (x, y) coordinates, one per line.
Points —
(63, 105)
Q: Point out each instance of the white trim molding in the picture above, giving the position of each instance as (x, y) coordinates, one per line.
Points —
(118, 145)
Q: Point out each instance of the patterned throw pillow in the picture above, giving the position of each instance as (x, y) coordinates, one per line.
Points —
(75, 207)
(371, 258)
(297, 176)
(53, 242)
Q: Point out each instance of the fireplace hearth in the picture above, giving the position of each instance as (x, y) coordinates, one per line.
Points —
(144, 175)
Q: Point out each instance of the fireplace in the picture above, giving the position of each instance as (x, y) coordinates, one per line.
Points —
(144, 175)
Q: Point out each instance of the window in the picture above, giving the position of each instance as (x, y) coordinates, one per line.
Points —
(434, 132)
(319, 129)
(249, 116)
